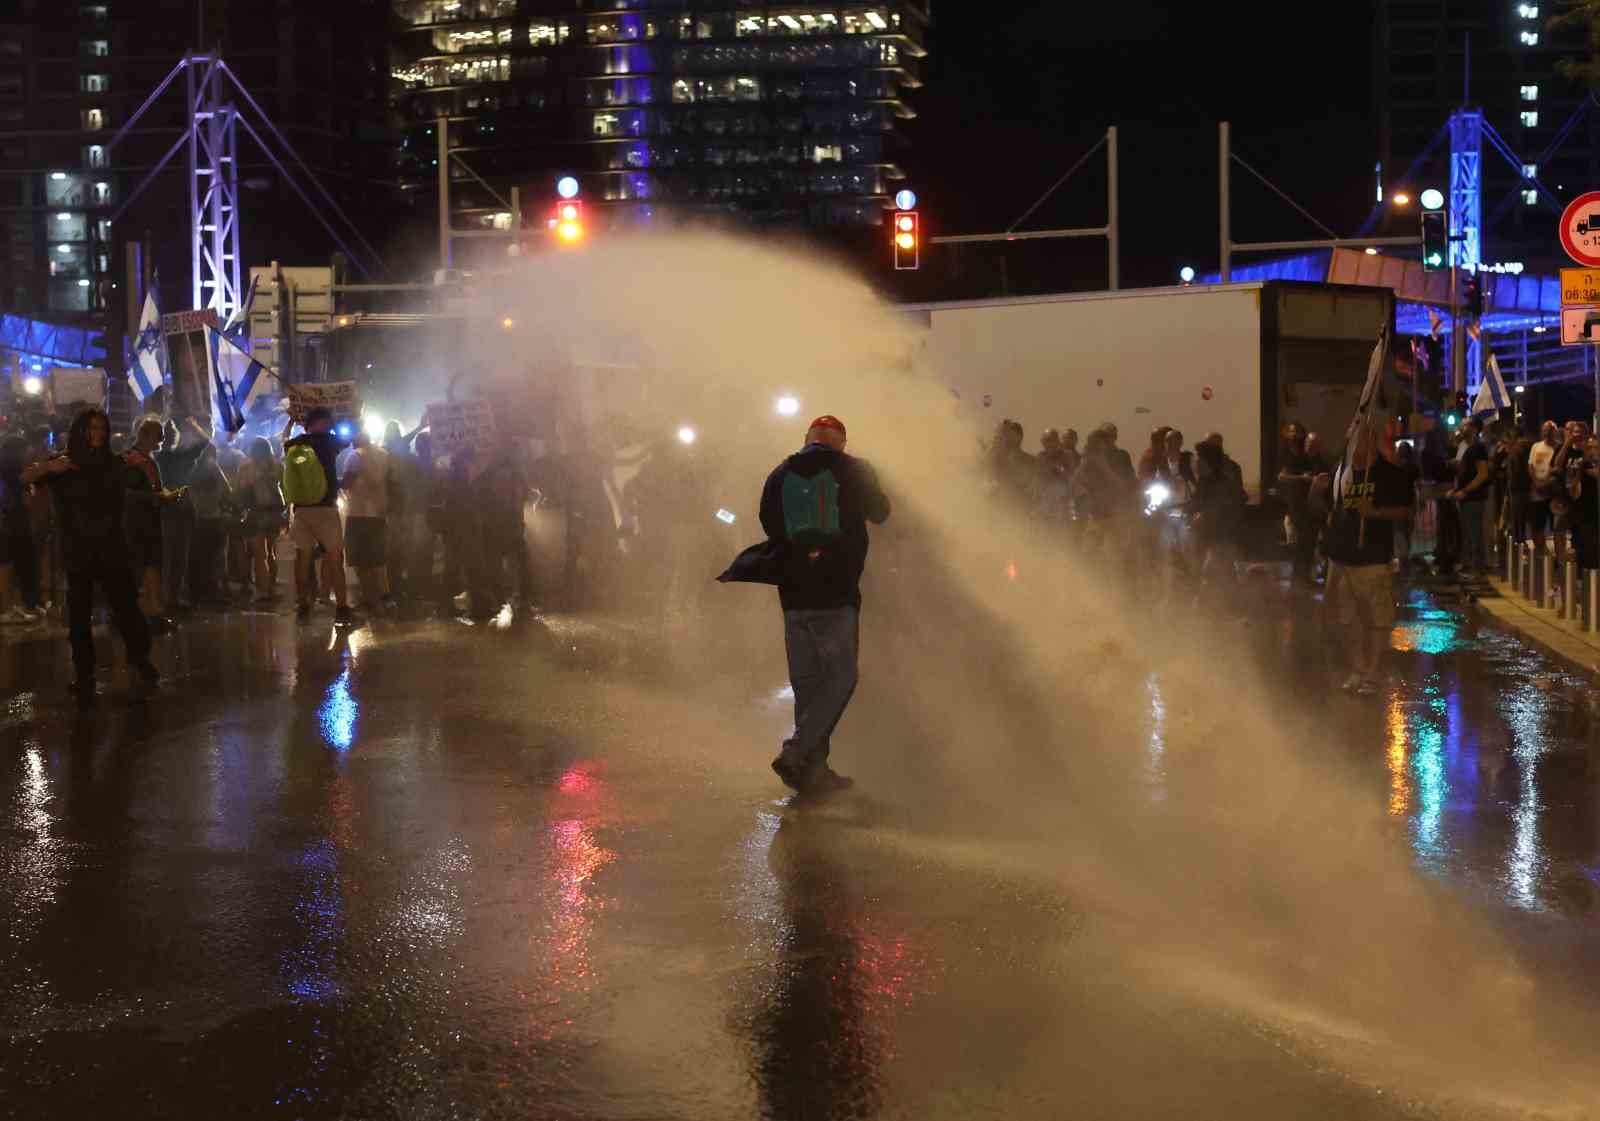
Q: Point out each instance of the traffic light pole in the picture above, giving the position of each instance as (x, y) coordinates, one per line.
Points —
(1111, 231)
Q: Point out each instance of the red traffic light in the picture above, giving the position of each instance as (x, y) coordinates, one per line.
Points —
(907, 240)
(568, 221)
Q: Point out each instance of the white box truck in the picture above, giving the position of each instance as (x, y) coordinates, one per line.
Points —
(1239, 359)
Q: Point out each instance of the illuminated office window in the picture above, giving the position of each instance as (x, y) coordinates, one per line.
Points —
(1529, 38)
(1530, 93)
(1530, 198)
(1530, 171)
(1530, 118)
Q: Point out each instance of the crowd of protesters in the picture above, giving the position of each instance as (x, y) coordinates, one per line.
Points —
(1469, 485)
(1176, 502)
(201, 517)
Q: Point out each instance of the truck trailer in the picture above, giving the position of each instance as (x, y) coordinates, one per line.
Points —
(1238, 359)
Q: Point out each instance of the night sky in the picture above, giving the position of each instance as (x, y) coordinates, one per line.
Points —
(1016, 92)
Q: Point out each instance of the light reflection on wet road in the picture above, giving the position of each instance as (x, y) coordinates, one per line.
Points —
(435, 873)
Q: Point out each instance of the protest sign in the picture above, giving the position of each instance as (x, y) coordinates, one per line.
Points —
(456, 424)
(187, 361)
(74, 386)
(343, 397)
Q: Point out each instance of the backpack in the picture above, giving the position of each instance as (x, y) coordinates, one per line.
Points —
(304, 481)
(811, 509)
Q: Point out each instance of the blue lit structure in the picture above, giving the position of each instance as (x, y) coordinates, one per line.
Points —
(1466, 210)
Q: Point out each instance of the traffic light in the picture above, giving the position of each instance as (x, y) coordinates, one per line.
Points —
(568, 221)
(1472, 297)
(907, 240)
(1435, 239)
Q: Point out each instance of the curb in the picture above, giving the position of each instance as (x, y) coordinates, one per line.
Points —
(1572, 645)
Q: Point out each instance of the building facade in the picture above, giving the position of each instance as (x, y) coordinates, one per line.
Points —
(781, 114)
(72, 74)
(1433, 57)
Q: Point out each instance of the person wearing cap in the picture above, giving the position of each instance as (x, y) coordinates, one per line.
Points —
(815, 508)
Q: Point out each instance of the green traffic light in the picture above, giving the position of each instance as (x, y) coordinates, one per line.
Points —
(1452, 420)
(1436, 259)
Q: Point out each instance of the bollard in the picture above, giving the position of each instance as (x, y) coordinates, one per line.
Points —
(1591, 599)
(1545, 575)
(1527, 569)
(1570, 600)
(1507, 559)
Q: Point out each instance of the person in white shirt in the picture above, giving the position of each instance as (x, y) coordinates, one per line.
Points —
(364, 480)
(1541, 460)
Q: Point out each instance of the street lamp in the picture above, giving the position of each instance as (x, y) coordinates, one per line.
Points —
(787, 405)
(1400, 198)
(32, 386)
(687, 435)
(1186, 274)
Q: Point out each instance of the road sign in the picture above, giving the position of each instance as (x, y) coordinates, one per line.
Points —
(1580, 229)
(1580, 325)
(1580, 286)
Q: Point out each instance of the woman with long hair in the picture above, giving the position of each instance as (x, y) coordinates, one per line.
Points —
(90, 486)
(260, 491)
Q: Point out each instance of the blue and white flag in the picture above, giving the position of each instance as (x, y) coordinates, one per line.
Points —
(1366, 414)
(1492, 395)
(238, 325)
(238, 381)
(148, 371)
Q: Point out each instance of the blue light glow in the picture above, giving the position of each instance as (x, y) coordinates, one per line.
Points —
(567, 187)
(905, 200)
(338, 713)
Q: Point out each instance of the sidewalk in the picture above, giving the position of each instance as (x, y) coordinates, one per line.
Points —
(1568, 640)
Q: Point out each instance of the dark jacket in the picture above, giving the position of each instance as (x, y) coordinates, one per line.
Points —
(815, 578)
(89, 505)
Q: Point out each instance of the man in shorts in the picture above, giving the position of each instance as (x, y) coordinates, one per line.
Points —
(364, 478)
(1369, 500)
(317, 524)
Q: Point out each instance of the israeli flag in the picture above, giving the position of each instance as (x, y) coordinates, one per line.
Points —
(149, 351)
(238, 381)
(238, 325)
(1366, 414)
(1492, 395)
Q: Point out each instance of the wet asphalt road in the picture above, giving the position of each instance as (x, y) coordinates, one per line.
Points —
(432, 871)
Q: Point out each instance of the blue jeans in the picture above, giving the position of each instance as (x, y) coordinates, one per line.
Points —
(822, 644)
(1474, 548)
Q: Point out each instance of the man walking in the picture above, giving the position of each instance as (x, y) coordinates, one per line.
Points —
(815, 508)
(314, 512)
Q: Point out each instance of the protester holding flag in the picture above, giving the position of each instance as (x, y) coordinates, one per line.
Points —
(1373, 495)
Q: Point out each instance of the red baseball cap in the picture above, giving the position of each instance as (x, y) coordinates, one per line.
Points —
(828, 421)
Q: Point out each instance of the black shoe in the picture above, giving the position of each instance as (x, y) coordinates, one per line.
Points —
(145, 680)
(789, 771)
(827, 781)
(303, 612)
(344, 617)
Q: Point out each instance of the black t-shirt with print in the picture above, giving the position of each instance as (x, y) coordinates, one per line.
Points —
(1344, 542)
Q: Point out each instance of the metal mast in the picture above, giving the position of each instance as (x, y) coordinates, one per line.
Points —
(213, 189)
(1466, 233)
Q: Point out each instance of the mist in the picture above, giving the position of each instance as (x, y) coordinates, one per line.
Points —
(1133, 759)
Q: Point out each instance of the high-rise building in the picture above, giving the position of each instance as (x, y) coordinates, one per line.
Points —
(783, 114)
(72, 74)
(1433, 57)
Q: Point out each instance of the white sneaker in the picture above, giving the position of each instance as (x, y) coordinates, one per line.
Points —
(1351, 683)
